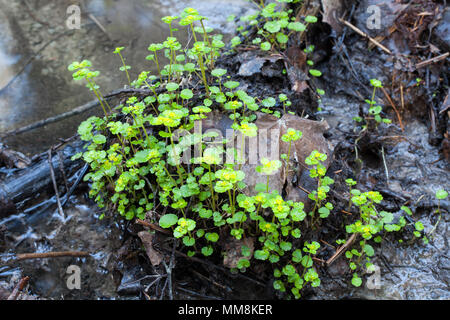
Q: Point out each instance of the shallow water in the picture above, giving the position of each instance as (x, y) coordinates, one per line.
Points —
(44, 87)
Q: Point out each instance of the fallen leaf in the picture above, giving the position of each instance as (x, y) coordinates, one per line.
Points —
(147, 240)
(312, 139)
(332, 11)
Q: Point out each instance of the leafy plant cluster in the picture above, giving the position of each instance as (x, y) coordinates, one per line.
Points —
(136, 168)
(374, 114)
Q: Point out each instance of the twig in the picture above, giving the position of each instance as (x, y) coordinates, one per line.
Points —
(341, 249)
(395, 109)
(55, 186)
(210, 280)
(170, 268)
(365, 35)
(73, 112)
(19, 287)
(72, 189)
(306, 191)
(152, 226)
(30, 12)
(219, 268)
(61, 169)
(198, 294)
(432, 60)
(386, 171)
(99, 25)
(56, 254)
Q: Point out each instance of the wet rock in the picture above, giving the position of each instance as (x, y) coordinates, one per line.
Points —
(368, 21)
(442, 31)
(128, 285)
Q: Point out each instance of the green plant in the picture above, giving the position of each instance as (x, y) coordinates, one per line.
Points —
(440, 194)
(136, 155)
(375, 110)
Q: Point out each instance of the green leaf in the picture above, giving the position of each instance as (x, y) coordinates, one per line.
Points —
(368, 249)
(213, 237)
(356, 281)
(297, 255)
(99, 139)
(311, 19)
(441, 194)
(266, 46)
(269, 102)
(324, 212)
(286, 246)
(243, 263)
(188, 241)
(172, 86)
(272, 26)
(186, 94)
(168, 220)
(315, 73)
(296, 26)
(419, 226)
(207, 251)
(218, 72)
(261, 254)
(407, 210)
(307, 261)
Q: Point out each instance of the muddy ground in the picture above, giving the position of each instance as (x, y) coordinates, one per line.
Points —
(406, 161)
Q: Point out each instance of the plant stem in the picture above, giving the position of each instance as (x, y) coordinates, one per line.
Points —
(211, 188)
(125, 68)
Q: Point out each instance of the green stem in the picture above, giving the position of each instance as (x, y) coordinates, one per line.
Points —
(125, 68)
(176, 163)
(288, 158)
(211, 188)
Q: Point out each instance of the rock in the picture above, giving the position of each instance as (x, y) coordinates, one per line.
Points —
(442, 31)
(366, 17)
(128, 285)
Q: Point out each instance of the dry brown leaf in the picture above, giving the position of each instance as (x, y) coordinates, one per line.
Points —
(332, 11)
(147, 239)
(311, 140)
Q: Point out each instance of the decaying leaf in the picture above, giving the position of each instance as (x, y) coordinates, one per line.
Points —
(252, 64)
(311, 140)
(332, 11)
(147, 239)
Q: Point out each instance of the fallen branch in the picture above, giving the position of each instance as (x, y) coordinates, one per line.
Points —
(341, 249)
(432, 60)
(365, 35)
(393, 107)
(55, 185)
(73, 112)
(56, 254)
(152, 226)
